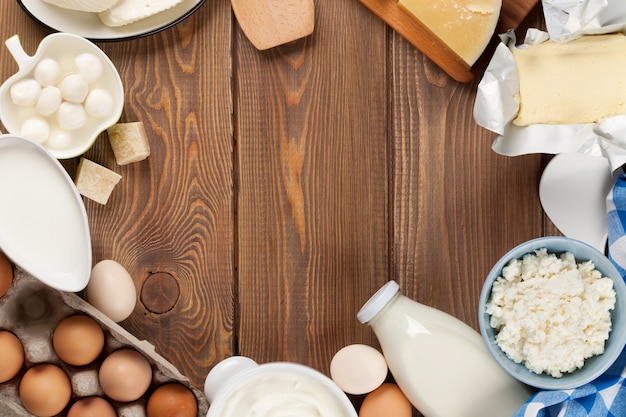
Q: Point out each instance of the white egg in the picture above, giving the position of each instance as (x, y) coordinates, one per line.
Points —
(99, 103)
(35, 128)
(111, 290)
(358, 369)
(89, 66)
(47, 72)
(71, 116)
(74, 88)
(49, 100)
(25, 92)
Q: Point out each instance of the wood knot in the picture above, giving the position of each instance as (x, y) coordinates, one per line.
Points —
(160, 292)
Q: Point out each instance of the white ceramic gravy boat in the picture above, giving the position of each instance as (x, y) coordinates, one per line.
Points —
(43, 223)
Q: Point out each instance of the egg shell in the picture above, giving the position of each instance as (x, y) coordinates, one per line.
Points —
(112, 290)
(45, 390)
(6, 274)
(386, 400)
(78, 340)
(31, 310)
(11, 355)
(91, 407)
(172, 399)
(358, 369)
(125, 375)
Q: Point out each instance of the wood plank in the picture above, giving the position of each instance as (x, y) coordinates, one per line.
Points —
(512, 14)
(170, 219)
(311, 123)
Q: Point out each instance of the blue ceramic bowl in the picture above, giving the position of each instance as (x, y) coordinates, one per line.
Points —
(594, 366)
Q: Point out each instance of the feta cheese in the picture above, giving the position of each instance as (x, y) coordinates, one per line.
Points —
(551, 313)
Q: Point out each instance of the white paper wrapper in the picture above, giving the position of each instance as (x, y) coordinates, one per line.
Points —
(496, 104)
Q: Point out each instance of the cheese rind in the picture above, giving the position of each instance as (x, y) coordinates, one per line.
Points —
(95, 181)
(125, 12)
(129, 142)
(580, 81)
(465, 26)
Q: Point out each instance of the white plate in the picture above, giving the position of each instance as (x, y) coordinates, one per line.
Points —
(573, 191)
(89, 25)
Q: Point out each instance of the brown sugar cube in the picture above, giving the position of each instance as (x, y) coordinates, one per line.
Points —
(95, 181)
(129, 142)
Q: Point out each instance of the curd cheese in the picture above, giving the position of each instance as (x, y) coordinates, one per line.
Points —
(551, 313)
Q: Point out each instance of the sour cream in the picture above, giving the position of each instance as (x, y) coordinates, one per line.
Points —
(280, 393)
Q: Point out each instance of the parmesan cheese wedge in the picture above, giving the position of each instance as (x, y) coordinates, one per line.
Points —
(465, 26)
(581, 81)
(129, 142)
(125, 12)
(95, 181)
(91, 6)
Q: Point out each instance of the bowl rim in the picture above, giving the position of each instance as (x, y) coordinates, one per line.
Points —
(26, 63)
(594, 366)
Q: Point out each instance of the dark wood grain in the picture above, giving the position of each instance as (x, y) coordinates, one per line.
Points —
(285, 186)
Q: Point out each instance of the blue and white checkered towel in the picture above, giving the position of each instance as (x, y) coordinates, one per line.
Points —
(606, 396)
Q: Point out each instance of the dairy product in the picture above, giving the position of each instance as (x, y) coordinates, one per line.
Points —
(129, 142)
(551, 76)
(271, 392)
(83, 5)
(441, 364)
(125, 12)
(551, 312)
(40, 215)
(466, 26)
(95, 181)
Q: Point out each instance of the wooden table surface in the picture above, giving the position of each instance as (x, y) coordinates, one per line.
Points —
(286, 186)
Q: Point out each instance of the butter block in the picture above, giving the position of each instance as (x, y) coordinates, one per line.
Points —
(95, 181)
(125, 12)
(465, 26)
(129, 142)
(580, 81)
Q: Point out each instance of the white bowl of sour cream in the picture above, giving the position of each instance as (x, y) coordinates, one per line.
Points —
(239, 387)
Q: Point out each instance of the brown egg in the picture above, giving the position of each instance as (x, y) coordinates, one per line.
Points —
(92, 407)
(125, 375)
(78, 340)
(386, 400)
(45, 390)
(11, 355)
(6, 274)
(172, 400)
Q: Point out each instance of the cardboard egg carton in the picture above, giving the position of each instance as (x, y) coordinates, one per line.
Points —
(32, 310)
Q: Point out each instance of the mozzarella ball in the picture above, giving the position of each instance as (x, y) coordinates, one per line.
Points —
(99, 103)
(25, 92)
(89, 66)
(35, 128)
(47, 72)
(49, 100)
(74, 88)
(58, 139)
(71, 116)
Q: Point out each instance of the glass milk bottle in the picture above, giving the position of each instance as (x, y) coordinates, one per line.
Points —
(441, 364)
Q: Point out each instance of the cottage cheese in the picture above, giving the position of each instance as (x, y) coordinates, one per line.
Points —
(551, 313)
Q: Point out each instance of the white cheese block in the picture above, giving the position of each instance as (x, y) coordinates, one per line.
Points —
(129, 142)
(581, 81)
(125, 12)
(95, 181)
(92, 6)
(465, 26)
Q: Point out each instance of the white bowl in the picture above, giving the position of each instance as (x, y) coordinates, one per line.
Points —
(594, 366)
(63, 48)
(239, 381)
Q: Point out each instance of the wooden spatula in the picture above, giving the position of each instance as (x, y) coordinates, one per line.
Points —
(269, 23)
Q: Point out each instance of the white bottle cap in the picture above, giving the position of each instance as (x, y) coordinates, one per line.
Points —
(377, 301)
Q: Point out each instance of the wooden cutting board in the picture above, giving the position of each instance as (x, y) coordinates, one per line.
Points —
(512, 14)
